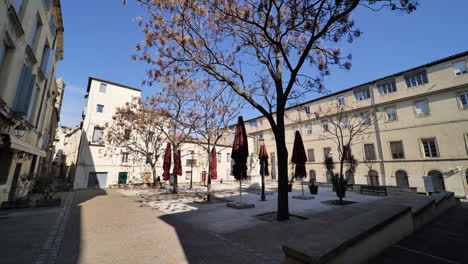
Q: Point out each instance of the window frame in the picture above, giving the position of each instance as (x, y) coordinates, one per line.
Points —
(309, 156)
(428, 108)
(395, 113)
(402, 148)
(309, 131)
(324, 123)
(415, 74)
(460, 103)
(388, 87)
(101, 85)
(373, 150)
(359, 91)
(327, 154)
(341, 100)
(97, 108)
(461, 72)
(423, 149)
(124, 157)
(99, 141)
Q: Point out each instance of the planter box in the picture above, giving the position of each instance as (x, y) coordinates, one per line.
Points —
(313, 189)
(48, 202)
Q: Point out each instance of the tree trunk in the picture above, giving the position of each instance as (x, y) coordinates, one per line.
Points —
(282, 154)
(341, 186)
(208, 185)
(153, 168)
(174, 175)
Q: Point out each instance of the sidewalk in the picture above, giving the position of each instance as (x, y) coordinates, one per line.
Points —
(28, 235)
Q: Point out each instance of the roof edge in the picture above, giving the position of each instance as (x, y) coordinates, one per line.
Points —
(90, 78)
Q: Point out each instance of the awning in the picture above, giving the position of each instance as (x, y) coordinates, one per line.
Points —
(18, 145)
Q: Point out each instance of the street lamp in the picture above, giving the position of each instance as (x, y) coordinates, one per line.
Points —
(20, 130)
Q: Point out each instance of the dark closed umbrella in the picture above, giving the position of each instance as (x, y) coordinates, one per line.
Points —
(299, 158)
(240, 151)
(177, 170)
(214, 164)
(167, 162)
(263, 157)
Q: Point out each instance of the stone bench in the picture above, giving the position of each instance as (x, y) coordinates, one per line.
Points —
(373, 189)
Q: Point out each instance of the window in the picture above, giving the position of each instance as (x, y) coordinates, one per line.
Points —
(260, 122)
(47, 60)
(416, 79)
(253, 124)
(310, 155)
(33, 103)
(294, 129)
(463, 99)
(326, 152)
(387, 88)
(430, 148)
(228, 157)
(369, 151)
(391, 113)
(344, 122)
(361, 94)
(219, 157)
(124, 157)
(35, 31)
(24, 91)
(365, 118)
(150, 136)
(309, 129)
(341, 100)
(396, 147)
(47, 4)
(460, 68)
(325, 126)
(422, 108)
(103, 88)
(260, 136)
(3, 51)
(99, 108)
(307, 109)
(53, 29)
(97, 135)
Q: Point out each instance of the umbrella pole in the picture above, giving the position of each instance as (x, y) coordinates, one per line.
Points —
(302, 185)
(240, 190)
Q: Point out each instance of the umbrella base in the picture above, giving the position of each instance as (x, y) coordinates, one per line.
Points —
(303, 197)
(237, 205)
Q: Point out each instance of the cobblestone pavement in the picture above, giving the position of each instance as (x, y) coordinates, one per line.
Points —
(32, 235)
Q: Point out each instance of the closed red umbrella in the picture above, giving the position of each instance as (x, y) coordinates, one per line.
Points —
(167, 162)
(177, 170)
(299, 158)
(263, 157)
(214, 164)
(240, 152)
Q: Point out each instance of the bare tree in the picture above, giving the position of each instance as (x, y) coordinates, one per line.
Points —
(135, 128)
(267, 51)
(215, 111)
(345, 126)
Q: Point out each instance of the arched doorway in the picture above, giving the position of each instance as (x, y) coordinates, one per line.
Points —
(373, 178)
(349, 176)
(401, 178)
(437, 180)
(312, 176)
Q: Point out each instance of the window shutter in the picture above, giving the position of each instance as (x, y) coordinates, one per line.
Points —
(24, 90)
(46, 64)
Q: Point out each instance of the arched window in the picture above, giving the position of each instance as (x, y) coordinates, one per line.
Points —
(373, 178)
(349, 176)
(401, 178)
(437, 180)
(312, 176)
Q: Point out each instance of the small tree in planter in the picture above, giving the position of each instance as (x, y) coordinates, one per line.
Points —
(340, 183)
(313, 188)
(44, 186)
(20, 198)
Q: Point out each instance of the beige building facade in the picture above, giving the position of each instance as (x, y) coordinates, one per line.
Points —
(100, 164)
(420, 128)
(31, 44)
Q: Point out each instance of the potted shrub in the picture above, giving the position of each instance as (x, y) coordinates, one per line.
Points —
(44, 186)
(20, 198)
(313, 188)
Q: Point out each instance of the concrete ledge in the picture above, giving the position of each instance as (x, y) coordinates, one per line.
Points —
(353, 240)
(237, 205)
(303, 197)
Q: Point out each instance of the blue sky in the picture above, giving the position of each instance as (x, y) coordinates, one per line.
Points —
(100, 37)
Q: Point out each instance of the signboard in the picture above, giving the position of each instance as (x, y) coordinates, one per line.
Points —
(428, 184)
